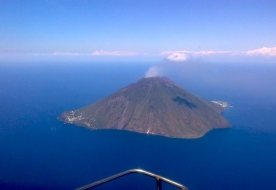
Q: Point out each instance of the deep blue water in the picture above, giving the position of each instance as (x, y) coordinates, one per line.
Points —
(39, 152)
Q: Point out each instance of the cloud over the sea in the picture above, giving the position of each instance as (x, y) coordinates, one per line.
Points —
(262, 51)
(115, 53)
(265, 51)
(68, 53)
(172, 61)
(186, 52)
(177, 57)
(264, 54)
(99, 53)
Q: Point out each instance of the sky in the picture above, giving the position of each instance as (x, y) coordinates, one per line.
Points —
(138, 30)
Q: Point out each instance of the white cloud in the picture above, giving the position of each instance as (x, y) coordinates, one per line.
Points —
(165, 66)
(196, 52)
(67, 53)
(96, 53)
(265, 51)
(177, 57)
(262, 51)
(114, 53)
(211, 52)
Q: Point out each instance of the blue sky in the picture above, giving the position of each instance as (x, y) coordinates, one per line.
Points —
(148, 30)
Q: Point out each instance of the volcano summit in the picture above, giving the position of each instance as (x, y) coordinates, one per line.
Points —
(153, 106)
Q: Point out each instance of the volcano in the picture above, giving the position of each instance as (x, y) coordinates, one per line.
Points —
(153, 105)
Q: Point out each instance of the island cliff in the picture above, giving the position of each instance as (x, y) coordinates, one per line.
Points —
(153, 106)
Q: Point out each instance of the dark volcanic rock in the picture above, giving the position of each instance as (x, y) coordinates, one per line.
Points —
(152, 106)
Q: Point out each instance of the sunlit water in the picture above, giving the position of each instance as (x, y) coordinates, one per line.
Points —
(39, 152)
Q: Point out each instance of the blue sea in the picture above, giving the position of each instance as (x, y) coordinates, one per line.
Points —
(37, 151)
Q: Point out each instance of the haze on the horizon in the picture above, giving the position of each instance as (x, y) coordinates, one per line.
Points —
(138, 30)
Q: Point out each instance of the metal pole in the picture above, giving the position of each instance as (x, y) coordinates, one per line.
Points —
(158, 184)
(158, 179)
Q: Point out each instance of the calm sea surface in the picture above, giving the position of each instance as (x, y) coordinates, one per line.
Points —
(39, 152)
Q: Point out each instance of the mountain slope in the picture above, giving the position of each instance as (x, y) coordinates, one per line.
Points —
(153, 106)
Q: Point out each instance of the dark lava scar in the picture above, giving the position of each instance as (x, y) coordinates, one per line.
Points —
(180, 101)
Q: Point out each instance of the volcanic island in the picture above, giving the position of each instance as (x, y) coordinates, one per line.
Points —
(154, 105)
